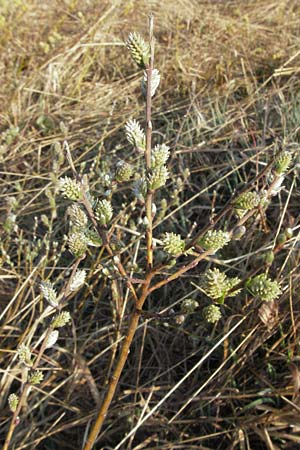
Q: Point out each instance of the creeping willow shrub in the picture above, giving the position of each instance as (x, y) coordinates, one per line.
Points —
(92, 220)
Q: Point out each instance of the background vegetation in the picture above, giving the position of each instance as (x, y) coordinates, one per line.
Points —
(228, 99)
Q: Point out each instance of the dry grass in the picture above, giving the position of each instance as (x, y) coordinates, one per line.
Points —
(229, 97)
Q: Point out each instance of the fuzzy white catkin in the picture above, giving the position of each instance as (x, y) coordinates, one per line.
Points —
(52, 338)
(78, 280)
(49, 293)
(155, 80)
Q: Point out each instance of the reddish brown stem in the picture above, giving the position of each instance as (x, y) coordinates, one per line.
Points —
(119, 367)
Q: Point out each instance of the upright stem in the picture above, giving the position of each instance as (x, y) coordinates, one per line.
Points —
(119, 367)
(149, 197)
(149, 275)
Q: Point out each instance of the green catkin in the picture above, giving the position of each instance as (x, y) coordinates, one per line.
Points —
(245, 202)
(135, 134)
(139, 50)
(103, 212)
(124, 171)
(264, 288)
(77, 243)
(188, 306)
(157, 178)
(159, 156)
(214, 240)
(173, 244)
(70, 188)
(78, 217)
(217, 285)
(13, 401)
(61, 320)
(36, 377)
(24, 354)
(212, 313)
(283, 163)
(49, 293)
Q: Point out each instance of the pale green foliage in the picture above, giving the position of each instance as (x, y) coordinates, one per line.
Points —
(135, 135)
(188, 306)
(49, 293)
(77, 243)
(78, 280)
(9, 135)
(24, 354)
(139, 50)
(173, 244)
(124, 171)
(36, 377)
(93, 238)
(159, 155)
(264, 288)
(135, 256)
(212, 313)
(245, 202)
(10, 223)
(77, 215)
(103, 212)
(70, 188)
(61, 320)
(214, 240)
(13, 401)
(157, 178)
(283, 162)
(217, 285)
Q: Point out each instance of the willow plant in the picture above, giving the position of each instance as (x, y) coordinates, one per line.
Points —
(91, 219)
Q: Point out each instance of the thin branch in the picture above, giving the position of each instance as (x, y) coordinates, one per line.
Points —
(203, 255)
(102, 232)
(228, 207)
(15, 418)
(27, 385)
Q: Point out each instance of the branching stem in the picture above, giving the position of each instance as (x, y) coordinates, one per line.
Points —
(145, 289)
(100, 229)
